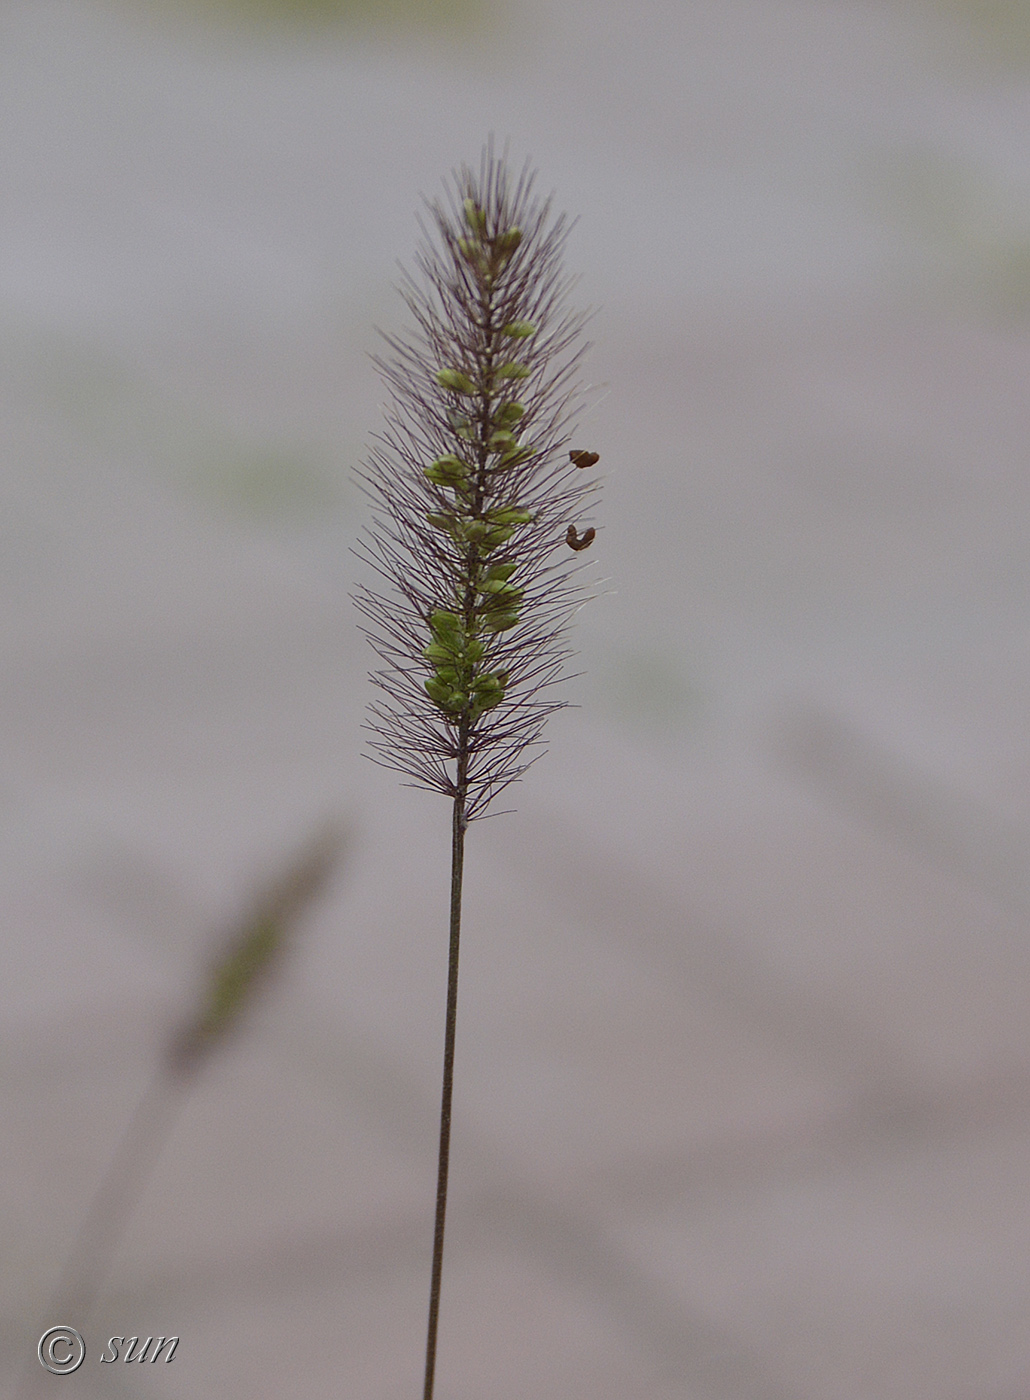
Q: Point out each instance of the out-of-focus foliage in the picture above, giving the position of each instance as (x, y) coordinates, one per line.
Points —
(252, 951)
(1005, 23)
(976, 228)
(327, 14)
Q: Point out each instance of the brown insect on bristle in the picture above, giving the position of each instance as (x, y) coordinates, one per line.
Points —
(576, 541)
(584, 459)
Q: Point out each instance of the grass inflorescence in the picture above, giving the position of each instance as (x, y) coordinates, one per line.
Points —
(474, 497)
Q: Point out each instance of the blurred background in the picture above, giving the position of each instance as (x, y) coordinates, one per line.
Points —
(743, 1081)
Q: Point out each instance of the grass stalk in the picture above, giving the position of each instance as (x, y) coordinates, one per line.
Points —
(459, 827)
(477, 500)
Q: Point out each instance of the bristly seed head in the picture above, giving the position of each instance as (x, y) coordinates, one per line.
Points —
(472, 493)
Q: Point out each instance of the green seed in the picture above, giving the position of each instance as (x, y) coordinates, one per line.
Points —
(445, 626)
(504, 596)
(511, 370)
(510, 412)
(500, 571)
(500, 622)
(456, 380)
(497, 535)
(441, 477)
(481, 703)
(474, 216)
(519, 330)
(447, 470)
(511, 515)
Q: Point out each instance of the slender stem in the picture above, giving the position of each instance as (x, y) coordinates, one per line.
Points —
(457, 863)
(118, 1194)
(110, 1210)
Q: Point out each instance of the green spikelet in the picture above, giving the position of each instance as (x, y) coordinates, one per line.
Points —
(251, 954)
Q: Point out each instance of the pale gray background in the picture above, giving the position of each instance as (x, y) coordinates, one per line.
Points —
(744, 1054)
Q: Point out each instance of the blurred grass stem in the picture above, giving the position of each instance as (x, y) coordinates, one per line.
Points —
(110, 1210)
(118, 1194)
(242, 966)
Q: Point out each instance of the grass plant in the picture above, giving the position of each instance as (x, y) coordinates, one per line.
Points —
(478, 506)
(246, 960)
